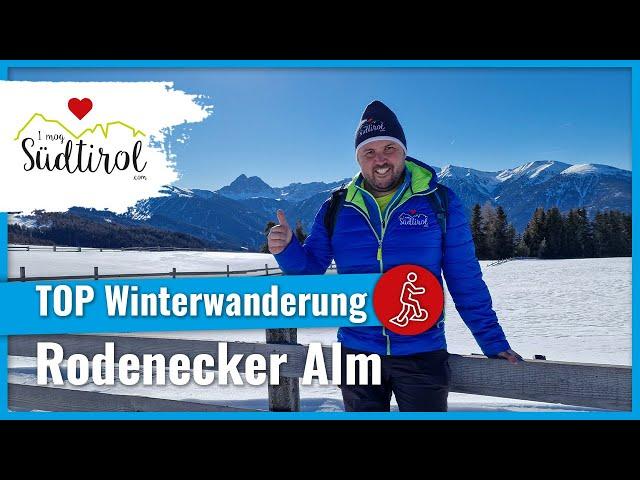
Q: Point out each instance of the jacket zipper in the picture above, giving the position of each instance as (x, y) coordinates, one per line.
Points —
(440, 323)
(379, 258)
(383, 223)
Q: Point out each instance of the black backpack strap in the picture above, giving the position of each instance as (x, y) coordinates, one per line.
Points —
(439, 200)
(337, 199)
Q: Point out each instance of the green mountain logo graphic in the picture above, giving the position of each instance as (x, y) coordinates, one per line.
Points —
(98, 126)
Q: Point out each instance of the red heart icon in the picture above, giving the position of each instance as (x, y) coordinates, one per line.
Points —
(80, 107)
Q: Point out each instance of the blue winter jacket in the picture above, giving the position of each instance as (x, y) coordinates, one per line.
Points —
(366, 241)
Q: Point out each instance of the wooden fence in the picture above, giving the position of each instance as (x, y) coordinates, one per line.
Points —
(505, 260)
(66, 248)
(576, 384)
(265, 271)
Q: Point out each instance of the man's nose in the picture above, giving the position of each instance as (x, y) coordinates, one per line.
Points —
(380, 158)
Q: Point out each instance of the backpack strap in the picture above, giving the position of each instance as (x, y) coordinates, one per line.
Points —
(337, 199)
(439, 200)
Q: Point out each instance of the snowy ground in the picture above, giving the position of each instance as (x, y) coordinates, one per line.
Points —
(569, 310)
(43, 262)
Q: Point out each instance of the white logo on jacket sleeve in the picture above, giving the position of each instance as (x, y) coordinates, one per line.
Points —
(414, 219)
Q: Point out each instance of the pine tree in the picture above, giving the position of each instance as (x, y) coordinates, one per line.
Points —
(510, 244)
(554, 233)
(619, 243)
(626, 228)
(534, 233)
(585, 234)
(300, 233)
(612, 234)
(542, 249)
(600, 239)
(478, 234)
(502, 242)
(570, 247)
(489, 222)
(267, 229)
(521, 249)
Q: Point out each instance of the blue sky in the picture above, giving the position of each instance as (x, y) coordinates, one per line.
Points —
(297, 125)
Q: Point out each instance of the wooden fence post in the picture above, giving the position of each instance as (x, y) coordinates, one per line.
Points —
(95, 273)
(173, 274)
(54, 248)
(27, 248)
(22, 274)
(228, 271)
(266, 269)
(284, 397)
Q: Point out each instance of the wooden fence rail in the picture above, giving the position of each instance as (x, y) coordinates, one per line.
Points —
(505, 260)
(173, 273)
(30, 397)
(576, 384)
(65, 248)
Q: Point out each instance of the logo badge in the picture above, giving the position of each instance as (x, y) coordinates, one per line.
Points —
(414, 219)
(370, 125)
(408, 299)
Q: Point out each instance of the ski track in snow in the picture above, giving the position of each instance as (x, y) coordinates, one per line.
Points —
(568, 310)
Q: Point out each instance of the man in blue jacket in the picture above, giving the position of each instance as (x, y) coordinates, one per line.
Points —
(370, 234)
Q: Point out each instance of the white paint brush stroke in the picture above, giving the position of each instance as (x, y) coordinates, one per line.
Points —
(152, 107)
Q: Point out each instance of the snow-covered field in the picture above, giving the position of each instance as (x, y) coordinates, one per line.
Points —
(568, 310)
(47, 262)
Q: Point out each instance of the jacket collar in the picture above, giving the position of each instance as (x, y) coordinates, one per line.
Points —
(422, 177)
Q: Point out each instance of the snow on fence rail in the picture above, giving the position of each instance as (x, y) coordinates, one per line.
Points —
(59, 248)
(265, 271)
(578, 384)
(501, 261)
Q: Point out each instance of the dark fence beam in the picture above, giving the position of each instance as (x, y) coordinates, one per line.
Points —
(50, 399)
(568, 383)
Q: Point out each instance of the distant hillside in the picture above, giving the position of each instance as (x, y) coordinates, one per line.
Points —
(71, 230)
(234, 217)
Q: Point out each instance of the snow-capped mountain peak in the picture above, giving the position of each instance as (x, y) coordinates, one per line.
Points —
(247, 187)
(244, 188)
(537, 171)
(486, 181)
(594, 169)
(172, 190)
(519, 190)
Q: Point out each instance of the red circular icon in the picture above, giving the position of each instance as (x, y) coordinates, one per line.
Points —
(408, 299)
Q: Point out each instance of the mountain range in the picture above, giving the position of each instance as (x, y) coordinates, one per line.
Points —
(234, 217)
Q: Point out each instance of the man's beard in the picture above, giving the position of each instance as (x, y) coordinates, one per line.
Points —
(388, 186)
